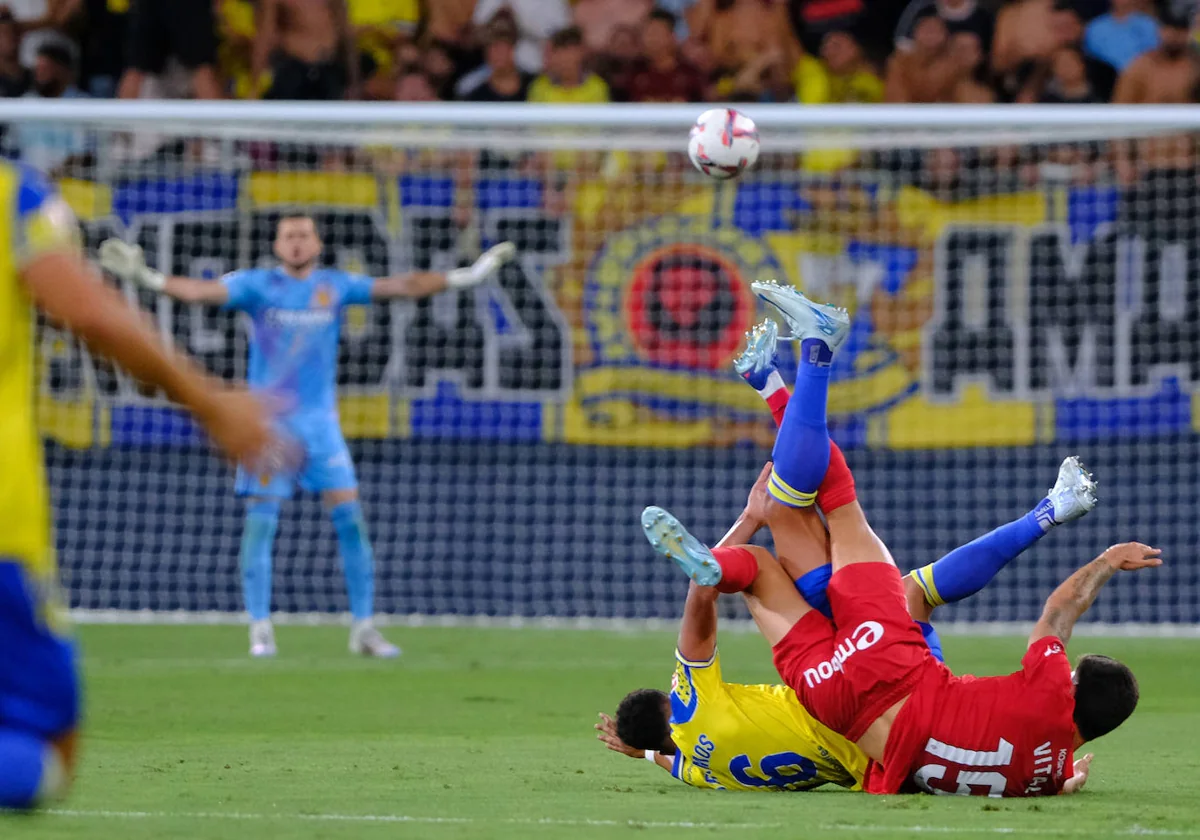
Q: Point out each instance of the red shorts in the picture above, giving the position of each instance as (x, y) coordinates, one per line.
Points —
(849, 671)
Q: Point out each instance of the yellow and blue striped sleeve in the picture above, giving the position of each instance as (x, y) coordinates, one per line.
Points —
(43, 221)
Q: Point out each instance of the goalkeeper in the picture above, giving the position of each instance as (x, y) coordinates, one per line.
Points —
(296, 310)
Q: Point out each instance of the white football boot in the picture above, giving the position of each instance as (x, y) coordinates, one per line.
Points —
(757, 360)
(365, 640)
(806, 318)
(671, 539)
(262, 639)
(1074, 494)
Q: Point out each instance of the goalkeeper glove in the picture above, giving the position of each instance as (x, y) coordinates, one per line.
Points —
(127, 262)
(487, 264)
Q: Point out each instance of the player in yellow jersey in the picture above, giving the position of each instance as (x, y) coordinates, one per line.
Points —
(712, 734)
(41, 265)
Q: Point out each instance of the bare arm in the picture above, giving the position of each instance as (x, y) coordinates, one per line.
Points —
(1130, 88)
(417, 284)
(191, 290)
(1071, 600)
(267, 27)
(67, 290)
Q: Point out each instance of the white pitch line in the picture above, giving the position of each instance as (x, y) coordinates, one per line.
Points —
(1132, 831)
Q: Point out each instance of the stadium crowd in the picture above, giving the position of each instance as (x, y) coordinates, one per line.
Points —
(585, 51)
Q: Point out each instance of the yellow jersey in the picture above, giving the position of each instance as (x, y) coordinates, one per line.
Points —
(591, 91)
(752, 737)
(33, 221)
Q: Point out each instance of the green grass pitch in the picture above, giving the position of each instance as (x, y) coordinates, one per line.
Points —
(487, 734)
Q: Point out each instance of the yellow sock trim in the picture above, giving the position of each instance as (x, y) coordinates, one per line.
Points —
(781, 492)
(924, 578)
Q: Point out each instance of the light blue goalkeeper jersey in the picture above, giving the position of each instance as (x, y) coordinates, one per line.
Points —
(294, 343)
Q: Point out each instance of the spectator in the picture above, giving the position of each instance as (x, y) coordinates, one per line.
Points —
(958, 15)
(741, 32)
(309, 47)
(841, 75)
(925, 73)
(414, 86)
(380, 25)
(14, 78)
(42, 22)
(970, 68)
(438, 67)
(536, 21)
(765, 78)
(237, 33)
(1069, 83)
(1164, 75)
(814, 19)
(1028, 35)
(682, 11)
(505, 81)
(565, 80)
(1120, 36)
(663, 76)
(449, 21)
(598, 19)
(160, 29)
(51, 146)
(620, 62)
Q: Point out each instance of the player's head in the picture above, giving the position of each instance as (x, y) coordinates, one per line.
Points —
(297, 244)
(1106, 693)
(644, 721)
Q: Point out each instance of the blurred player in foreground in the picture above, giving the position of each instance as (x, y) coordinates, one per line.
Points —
(41, 263)
(868, 674)
(710, 733)
(296, 309)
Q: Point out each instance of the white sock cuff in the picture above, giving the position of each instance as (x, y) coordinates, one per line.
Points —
(54, 782)
(774, 383)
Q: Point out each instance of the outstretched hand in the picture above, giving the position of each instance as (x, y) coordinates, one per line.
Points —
(1083, 767)
(607, 727)
(1127, 557)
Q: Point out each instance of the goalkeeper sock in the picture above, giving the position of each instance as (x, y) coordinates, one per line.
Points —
(258, 536)
(358, 562)
(30, 770)
(801, 453)
(969, 568)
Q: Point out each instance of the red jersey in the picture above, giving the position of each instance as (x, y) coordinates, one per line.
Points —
(985, 736)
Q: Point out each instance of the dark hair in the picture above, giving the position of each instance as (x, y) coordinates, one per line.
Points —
(57, 53)
(664, 16)
(288, 215)
(572, 36)
(642, 722)
(1106, 693)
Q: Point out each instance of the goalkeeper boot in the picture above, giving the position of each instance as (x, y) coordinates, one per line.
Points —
(365, 640)
(262, 639)
(757, 361)
(670, 539)
(806, 319)
(1074, 494)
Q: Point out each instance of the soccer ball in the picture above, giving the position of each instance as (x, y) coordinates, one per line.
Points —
(723, 143)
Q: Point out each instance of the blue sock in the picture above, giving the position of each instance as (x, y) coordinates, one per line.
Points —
(22, 756)
(258, 536)
(933, 640)
(801, 453)
(969, 568)
(358, 563)
(814, 586)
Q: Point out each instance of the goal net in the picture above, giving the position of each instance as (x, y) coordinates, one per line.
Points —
(1024, 286)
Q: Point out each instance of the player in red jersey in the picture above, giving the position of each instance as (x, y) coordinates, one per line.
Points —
(868, 674)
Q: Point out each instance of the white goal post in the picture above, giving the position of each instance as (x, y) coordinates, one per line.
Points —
(1024, 281)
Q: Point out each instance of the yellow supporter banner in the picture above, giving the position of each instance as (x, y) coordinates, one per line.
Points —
(621, 423)
(320, 189)
(75, 424)
(971, 420)
(366, 415)
(683, 386)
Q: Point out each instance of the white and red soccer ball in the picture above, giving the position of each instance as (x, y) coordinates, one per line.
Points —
(723, 143)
